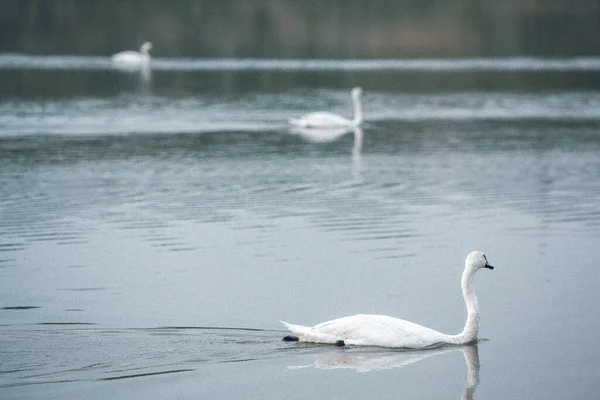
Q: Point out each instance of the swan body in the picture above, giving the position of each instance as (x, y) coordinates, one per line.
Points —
(133, 58)
(322, 119)
(384, 331)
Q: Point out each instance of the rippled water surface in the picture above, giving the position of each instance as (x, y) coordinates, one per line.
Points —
(156, 225)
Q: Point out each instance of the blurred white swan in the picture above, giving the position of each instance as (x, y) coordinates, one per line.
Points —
(384, 331)
(133, 59)
(329, 120)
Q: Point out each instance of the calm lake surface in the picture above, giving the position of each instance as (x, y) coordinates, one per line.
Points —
(155, 226)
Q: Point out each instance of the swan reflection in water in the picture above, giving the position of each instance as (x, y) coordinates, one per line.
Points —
(326, 135)
(382, 359)
(142, 74)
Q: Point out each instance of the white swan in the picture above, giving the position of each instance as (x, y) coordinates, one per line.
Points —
(329, 120)
(384, 331)
(133, 59)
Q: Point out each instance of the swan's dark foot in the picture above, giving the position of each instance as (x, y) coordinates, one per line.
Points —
(340, 343)
(290, 338)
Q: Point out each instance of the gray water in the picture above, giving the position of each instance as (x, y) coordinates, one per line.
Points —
(154, 227)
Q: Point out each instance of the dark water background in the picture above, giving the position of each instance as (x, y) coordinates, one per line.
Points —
(155, 225)
(304, 29)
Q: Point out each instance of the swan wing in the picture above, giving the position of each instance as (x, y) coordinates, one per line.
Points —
(129, 58)
(320, 120)
(370, 330)
(125, 55)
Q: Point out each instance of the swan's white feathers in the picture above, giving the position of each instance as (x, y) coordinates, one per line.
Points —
(127, 57)
(133, 58)
(320, 119)
(369, 330)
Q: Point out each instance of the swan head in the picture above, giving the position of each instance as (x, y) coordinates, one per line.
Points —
(146, 47)
(356, 92)
(476, 260)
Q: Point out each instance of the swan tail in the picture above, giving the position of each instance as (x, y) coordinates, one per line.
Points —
(297, 329)
(308, 334)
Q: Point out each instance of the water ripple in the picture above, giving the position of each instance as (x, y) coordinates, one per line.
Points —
(122, 353)
(206, 113)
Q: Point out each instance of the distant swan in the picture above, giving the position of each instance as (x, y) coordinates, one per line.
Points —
(133, 58)
(329, 120)
(384, 331)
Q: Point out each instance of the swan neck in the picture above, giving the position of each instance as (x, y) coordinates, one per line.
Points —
(469, 333)
(358, 115)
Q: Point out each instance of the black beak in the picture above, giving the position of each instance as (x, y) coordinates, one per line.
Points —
(488, 266)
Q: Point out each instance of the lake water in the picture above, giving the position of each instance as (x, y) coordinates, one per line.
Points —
(155, 226)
